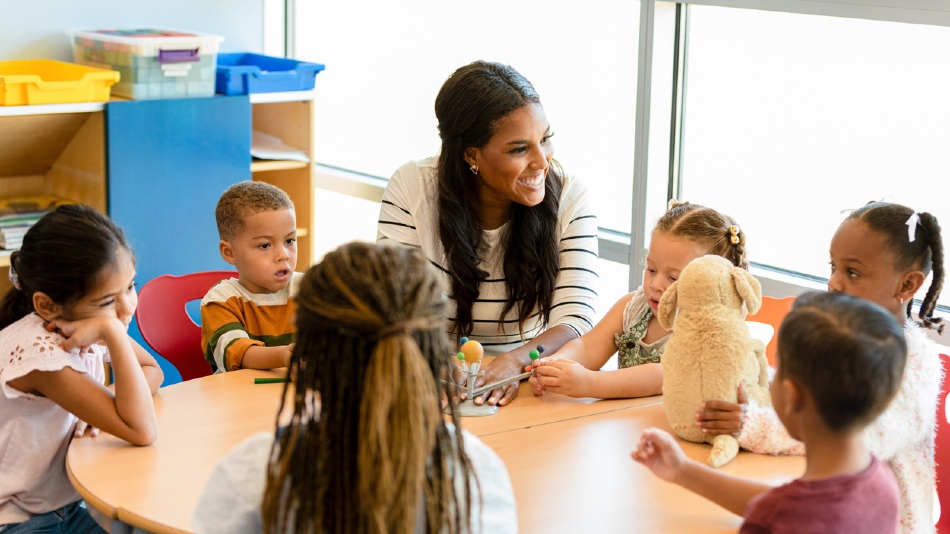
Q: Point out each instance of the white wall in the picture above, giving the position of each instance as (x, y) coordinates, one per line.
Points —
(35, 29)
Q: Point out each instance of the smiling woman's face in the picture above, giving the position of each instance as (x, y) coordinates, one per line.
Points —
(513, 164)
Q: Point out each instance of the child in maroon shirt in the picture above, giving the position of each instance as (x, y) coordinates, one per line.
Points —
(840, 362)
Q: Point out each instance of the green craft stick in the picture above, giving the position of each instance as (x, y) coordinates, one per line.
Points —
(269, 380)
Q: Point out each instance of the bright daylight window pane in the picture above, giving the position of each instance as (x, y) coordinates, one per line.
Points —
(791, 119)
(385, 64)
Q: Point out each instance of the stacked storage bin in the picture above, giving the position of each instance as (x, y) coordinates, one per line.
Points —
(246, 73)
(153, 63)
(47, 81)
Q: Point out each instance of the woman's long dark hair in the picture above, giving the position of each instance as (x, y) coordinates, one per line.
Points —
(62, 255)
(468, 107)
(367, 442)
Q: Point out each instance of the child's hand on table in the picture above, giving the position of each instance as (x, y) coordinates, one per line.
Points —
(81, 427)
(721, 417)
(561, 375)
(287, 354)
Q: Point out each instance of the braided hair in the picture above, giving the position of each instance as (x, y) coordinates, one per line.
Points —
(925, 252)
(367, 442)
(719, 233)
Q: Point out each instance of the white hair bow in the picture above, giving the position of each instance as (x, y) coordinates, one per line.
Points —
(912, 226)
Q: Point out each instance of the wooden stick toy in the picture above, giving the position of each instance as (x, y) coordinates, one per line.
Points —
(470, 360)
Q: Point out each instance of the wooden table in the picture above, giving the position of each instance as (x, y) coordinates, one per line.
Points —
(576, 475)
(569, 460)
(156, 488)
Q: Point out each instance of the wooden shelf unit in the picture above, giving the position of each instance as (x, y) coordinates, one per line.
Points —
(52, 150)
(289, 116)
(61, 150)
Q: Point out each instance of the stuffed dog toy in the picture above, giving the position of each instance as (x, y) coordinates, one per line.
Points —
(711, 350)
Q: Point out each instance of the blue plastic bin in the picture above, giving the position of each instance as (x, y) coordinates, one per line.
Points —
(241, 74)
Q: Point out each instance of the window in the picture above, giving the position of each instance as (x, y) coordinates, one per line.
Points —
(781, 118)
(386, 63)
(791, 119)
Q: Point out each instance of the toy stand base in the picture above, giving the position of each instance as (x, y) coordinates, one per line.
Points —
(468, 408)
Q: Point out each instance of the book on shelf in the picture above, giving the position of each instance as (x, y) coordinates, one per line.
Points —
(264, 146)
(31, 204)
(19, 220)
(12, 243)
(18, 214)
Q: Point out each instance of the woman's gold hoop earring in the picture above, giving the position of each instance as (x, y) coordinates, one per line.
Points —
(474, 169)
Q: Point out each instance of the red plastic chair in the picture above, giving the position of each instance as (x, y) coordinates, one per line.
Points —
(165, 324)
(942, 455)
(772, 312)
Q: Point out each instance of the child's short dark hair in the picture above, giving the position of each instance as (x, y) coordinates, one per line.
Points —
(247, 198)
(848, 352)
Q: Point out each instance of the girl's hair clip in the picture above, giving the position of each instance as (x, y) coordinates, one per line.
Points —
(912, 223)
(673, 203)
(734, 234)
(14, 279)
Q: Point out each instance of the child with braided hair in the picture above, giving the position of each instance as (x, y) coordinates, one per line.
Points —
(882, 252)
(367, 448)
(685, 232)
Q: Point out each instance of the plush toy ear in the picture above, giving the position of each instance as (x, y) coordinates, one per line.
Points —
(749, 288)
(666, 311)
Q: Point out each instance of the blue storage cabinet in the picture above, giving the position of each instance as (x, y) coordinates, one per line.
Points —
(168, 161)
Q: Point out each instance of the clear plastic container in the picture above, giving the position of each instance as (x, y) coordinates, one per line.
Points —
(153, 63)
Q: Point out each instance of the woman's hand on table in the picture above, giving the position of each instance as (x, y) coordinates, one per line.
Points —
(502, 367)
(721, 417)
(454, 377)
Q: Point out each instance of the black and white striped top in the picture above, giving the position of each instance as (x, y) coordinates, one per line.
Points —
(409, 215)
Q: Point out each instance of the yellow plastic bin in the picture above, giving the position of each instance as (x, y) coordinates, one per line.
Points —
(47, 81)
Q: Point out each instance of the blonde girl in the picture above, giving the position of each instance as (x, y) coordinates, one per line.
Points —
(685, 232)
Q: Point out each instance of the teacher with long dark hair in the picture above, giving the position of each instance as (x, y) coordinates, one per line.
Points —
(514, 236)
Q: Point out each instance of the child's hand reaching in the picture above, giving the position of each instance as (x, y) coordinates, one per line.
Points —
(721, 417)
(660, 453)
(536, 386)
(561, 375)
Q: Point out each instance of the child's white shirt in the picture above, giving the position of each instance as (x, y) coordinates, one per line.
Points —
(231, 501)
(35, 431)
(903, 435)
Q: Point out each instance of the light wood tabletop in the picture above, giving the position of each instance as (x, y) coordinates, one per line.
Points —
(568, 459)
(576, 475)
(156, 488)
